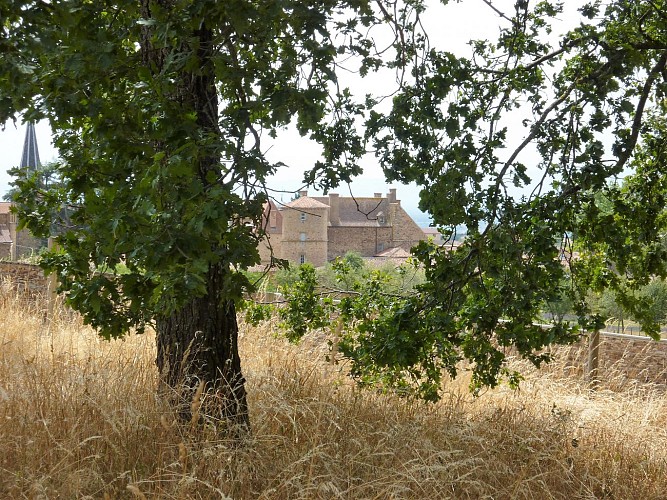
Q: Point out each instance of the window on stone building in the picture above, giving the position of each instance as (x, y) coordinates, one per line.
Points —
(380, 247)
(302, 259)
(381, 219)
(302, 216)
(302, 237)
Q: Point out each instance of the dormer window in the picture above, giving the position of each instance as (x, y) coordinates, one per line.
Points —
(381, 219)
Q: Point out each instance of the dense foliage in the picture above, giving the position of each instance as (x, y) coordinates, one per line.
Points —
(160, 108)
(547, 215)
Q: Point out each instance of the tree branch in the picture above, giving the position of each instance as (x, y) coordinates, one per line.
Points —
(533, 132)
(639, 112)
(497, 11)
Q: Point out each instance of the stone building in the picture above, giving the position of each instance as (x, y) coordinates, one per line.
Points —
(318, 229)
(5, 232)
(18, 244)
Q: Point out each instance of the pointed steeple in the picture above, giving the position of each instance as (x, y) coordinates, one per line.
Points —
(30, 158)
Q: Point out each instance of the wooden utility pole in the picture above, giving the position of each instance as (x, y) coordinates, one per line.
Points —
(51, 286)
(593, 366)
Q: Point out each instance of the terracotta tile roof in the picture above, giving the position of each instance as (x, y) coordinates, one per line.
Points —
(394, 253)
(306, 202)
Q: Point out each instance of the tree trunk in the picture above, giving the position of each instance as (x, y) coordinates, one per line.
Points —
(198, 345)
(197, 349)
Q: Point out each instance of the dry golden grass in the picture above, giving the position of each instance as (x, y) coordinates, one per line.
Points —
(79, 418)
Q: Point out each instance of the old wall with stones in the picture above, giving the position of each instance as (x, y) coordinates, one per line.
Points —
(406, 231)
(629, 356)
(305, 234)
(23, 278)
(27, 245)
(313, 252)
(368, 241)
(271, 244)
(5, 250)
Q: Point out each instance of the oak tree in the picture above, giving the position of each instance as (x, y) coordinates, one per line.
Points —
(549, 151)
(516, 143)
(160, 110)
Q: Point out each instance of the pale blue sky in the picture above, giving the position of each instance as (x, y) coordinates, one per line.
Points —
(449, 28)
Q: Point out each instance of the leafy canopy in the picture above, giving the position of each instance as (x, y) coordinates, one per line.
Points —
(590, 106)
(576, 204)
(111, 78)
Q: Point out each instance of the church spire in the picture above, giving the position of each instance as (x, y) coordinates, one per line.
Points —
(30, 158)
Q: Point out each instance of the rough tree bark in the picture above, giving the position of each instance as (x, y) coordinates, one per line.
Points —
(198, 343)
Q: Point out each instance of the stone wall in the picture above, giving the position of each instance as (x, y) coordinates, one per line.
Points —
(24, 278)
(313, 252)
(368, 241)
(406, 231)
(27, 245)
(271, 244)
(630, 356)
(5, 250)
(305, 234)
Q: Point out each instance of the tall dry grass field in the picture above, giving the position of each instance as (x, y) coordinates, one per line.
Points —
(79, 418)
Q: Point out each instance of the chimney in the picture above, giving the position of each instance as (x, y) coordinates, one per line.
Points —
(377, 195)
(391, 196)
(304, 193)
(334, 210)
